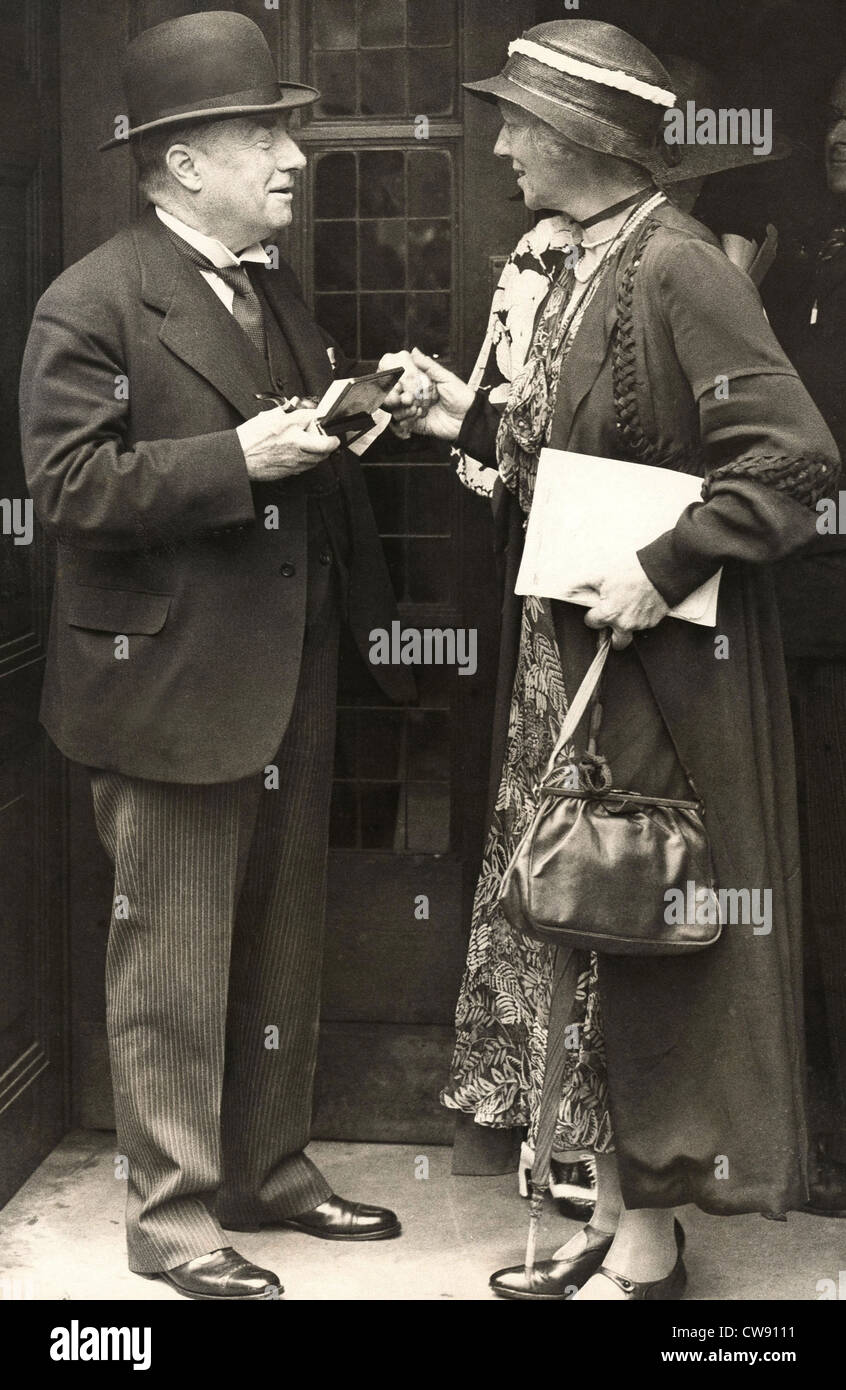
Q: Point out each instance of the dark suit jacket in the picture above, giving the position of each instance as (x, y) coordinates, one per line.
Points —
(812, 585)
(161, 533)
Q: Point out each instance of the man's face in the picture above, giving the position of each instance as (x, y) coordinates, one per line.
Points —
(544, 171)
(247, 169)
(835, 140)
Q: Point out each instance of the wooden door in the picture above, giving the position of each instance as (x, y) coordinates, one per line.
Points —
(32, 957)
(402, 227)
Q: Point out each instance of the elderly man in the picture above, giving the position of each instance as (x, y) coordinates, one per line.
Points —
(207, 551)
(812, 601)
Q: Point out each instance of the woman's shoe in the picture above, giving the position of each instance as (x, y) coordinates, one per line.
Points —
(554, 1280)
(672, 1286)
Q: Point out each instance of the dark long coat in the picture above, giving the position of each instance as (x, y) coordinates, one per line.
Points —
(704, 1053)
(134, 379)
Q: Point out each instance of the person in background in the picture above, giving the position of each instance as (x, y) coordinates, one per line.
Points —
(812, 602)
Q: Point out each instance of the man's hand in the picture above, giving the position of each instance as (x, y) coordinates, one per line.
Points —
(627, 603)
(279, 443)
(427, 399)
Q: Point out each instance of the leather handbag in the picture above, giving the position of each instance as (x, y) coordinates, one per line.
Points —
(610, 870)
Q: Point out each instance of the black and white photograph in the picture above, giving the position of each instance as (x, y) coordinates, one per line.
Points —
(423, 665)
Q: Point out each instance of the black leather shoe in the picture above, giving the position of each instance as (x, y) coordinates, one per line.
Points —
(338, 1219)
(222, 1274)
(670, 1287)
(673, 1286)
(554, 1279)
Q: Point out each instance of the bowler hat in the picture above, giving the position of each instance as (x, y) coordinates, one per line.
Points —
(201, 67)
(593, 82)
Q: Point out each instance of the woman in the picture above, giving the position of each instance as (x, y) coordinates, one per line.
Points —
(648, 345)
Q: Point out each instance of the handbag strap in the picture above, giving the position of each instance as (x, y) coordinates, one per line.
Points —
(579, 703)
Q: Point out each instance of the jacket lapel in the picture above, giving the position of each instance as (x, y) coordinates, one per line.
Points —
(196, 326)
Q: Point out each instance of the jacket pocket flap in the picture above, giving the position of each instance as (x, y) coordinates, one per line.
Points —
(117, 610)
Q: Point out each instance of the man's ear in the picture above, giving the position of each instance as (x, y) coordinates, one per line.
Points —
(181, 163)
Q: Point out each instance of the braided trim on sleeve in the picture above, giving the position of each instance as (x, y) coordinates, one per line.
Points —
(804, 477)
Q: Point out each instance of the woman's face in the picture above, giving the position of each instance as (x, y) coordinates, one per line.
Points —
(546, 168)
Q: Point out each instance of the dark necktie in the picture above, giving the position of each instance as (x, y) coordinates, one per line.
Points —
(246, 308)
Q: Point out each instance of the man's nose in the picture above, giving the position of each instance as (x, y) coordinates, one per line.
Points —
(503, 144)
(290, 156)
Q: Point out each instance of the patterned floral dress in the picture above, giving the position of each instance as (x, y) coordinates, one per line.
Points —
(503, 1006)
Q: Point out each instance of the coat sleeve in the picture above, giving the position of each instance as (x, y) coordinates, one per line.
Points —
(91, 487)
(768, 454)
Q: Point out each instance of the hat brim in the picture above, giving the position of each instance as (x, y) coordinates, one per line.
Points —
(587, 129)
(293, 94)
(698, 161)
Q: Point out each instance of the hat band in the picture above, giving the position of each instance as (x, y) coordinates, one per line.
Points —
(639, 119)
(606, 77)
(253, 96)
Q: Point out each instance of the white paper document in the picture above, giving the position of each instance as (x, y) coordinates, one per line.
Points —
(587, 513)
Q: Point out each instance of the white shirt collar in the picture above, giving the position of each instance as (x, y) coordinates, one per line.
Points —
(213, 249)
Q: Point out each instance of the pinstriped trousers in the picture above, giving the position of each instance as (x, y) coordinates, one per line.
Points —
(213, 976)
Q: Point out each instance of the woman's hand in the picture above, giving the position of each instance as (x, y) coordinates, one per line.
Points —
(427, 399)
(627, 603)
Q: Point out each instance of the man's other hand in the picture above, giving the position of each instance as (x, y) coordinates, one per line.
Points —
(279, 443)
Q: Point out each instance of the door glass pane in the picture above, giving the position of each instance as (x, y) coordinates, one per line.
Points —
(428, 745)
(431, 81)
(387, 489)
(334, 23)
(335, 256)
(429, 255)
(334, 76)
(430, 497)
(382, 323)
(335, 185)
(338, 314)
(383, 83)
(429, 322)
(383, 255)
(431, 21)
(427, 817)
(429, 184)
(382, 174)
(379, 743)
(379, 809)
(382, 23)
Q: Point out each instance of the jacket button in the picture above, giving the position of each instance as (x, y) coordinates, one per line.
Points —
(287, 569)
(325, 557)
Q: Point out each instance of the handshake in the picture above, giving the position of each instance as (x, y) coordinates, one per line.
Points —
(426, 400)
